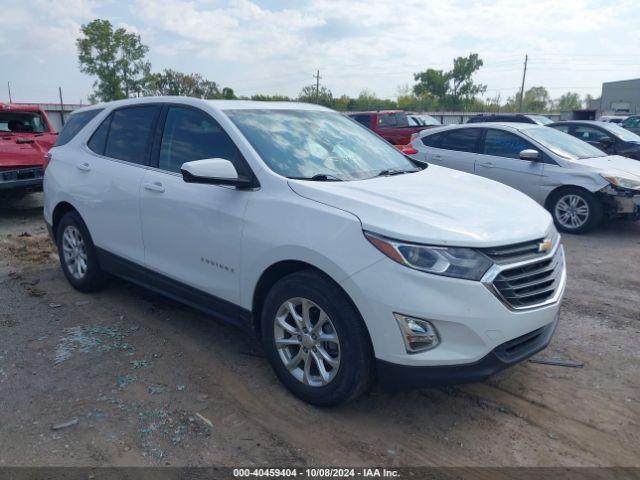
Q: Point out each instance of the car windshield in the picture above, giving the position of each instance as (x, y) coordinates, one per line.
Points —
(21, 122)
(429, 120)
(541, 119)
(315, 144)
(562, 144)
(622, 133)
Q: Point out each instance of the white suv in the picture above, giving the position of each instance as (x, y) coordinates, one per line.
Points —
(349, 261)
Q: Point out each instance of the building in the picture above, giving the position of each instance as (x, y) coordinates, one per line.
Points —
(620, 97)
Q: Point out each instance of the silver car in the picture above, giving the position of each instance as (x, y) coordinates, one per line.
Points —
(575, 181)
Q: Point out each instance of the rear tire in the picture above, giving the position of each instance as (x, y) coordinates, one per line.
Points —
(327, 347)
(576, 210)
(77, 253)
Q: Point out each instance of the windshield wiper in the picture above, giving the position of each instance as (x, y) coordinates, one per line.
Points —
(320, 177)
(390, 172)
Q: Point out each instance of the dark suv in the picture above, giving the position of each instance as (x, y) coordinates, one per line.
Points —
(632, 124)
(511, 118)
(608, 137)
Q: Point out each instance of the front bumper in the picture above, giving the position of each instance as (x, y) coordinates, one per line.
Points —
(392, 376)
(29, 178)
(470, 318)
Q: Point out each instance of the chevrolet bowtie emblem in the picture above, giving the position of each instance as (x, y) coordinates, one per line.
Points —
(545, 246)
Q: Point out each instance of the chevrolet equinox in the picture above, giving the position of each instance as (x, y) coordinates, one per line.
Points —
(350, 262)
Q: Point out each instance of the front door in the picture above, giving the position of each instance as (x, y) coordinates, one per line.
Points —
(192, 231)
(500, 161)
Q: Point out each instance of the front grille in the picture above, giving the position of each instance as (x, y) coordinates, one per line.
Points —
(531, 284)
(519, 252)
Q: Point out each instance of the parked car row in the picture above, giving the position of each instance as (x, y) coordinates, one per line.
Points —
(578, 183)
(349, 260)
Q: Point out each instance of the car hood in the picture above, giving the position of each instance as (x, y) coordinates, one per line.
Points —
(436, 206)
(613, 165)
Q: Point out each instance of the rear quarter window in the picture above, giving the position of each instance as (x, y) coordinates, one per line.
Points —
(74, 124)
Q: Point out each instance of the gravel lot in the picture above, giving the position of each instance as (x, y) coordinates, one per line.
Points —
(141, 380)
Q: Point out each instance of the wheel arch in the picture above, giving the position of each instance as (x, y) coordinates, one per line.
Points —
(275, 272)
(59, 211)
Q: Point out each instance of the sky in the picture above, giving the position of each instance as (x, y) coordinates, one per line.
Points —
(276, 46)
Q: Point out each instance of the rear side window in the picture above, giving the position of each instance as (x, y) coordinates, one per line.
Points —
(432, 140)
(193, 135)
(74, 124)
(463, 140)
(504, 144)
(561, 128)
(363, 119)
(387, 120)
(128, 135)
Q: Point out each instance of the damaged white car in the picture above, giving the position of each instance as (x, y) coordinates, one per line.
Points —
(579, 184)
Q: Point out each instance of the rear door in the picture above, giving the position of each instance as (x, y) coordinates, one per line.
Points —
(456, 148)
(500, 160)
(108, 179)
(192, 231)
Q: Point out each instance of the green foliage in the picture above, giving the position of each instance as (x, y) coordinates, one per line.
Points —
(270, 98)
(171, 82)
(536, 99)
(115, 57)
(322, 97)
(569, 101)
(453, 89)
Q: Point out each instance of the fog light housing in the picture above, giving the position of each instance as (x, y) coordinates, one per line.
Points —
(419, 335)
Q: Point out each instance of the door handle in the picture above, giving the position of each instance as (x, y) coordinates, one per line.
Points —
(437, 157)
(154, 187)
(487, 165)
(84, 167)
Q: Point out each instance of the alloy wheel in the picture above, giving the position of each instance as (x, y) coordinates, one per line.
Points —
(74, 252)
(307, 342)
(572, 211)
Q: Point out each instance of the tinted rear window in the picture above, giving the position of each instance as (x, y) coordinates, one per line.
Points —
(129, 135)
(463, 140)
(74, 124)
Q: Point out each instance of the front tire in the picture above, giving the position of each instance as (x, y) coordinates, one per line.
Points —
(316, 340)
(575, 210)
(77, 253)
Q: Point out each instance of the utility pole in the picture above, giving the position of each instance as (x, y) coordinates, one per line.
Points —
(9, 88)
(61, 105)
(524, 74)
(317, 77)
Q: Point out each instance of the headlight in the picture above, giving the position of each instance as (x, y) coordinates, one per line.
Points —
(448, 261)
(623, 182)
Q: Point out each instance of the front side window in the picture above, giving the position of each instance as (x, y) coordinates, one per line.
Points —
(504, 144)
(305, 143)
(462, 140)
(590, 134)
(130, 134)
(193, 135)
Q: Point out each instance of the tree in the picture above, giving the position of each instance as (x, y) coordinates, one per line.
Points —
(536, 99)
(115, 57)
(172, 82)
(569, 101)
(463, 87)
(431, 83)
(452, 89)
(322, 97)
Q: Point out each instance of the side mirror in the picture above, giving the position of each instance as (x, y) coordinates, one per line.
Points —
(214, 171)
(530, 154)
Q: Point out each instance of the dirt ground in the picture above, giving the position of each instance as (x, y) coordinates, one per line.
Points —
(140, 380)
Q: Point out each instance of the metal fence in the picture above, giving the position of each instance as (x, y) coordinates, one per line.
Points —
(451, 118)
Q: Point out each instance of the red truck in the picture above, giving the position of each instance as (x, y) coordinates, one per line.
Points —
(392, 125)
(26, 135)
